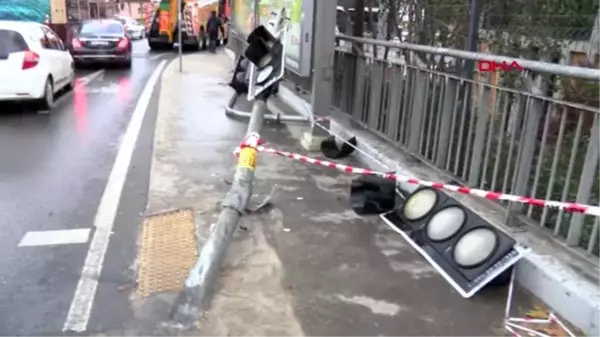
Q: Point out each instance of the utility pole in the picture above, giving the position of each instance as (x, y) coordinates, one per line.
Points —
(473, 38)
(180, 45)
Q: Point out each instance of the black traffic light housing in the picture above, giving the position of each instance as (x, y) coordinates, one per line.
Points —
(372, 195)
(267, 55)
(439, 232)
(239, 80)
(330, 148)
(260, 42)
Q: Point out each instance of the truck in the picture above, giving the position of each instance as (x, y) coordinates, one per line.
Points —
(161, 23)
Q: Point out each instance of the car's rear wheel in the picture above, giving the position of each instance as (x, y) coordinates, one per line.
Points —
(46, 102)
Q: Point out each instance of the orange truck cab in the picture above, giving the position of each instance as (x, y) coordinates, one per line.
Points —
(161, 22)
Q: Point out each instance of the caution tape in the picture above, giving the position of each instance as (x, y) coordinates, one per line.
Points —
(570, 207)
(247, 152)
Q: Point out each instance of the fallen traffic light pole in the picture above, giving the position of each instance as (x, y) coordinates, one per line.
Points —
(265, 53)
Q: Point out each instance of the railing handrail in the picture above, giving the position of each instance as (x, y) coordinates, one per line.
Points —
(543, 67)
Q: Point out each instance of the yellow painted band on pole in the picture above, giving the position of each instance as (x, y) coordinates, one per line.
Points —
(248, 158)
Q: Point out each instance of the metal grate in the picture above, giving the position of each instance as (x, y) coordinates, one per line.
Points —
(168, 251)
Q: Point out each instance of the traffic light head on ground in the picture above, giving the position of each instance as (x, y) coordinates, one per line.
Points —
(464, 248)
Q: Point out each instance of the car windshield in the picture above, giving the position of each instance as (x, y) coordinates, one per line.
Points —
(96, 27)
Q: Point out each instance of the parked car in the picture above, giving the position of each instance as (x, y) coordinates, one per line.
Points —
(101, 41)
(135, 30)
(34, 64)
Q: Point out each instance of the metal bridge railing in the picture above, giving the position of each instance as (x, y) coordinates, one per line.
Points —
(533, 133)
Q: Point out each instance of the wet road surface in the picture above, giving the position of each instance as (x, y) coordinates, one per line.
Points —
(53, 171)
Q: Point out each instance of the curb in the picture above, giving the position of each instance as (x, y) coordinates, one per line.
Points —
(549, 272)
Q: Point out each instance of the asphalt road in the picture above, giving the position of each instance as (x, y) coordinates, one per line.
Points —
(53, 171)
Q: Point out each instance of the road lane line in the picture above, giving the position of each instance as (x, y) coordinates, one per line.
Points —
(82, 81)
(154, 57)
(81, 306)
(55, 237)
(90, 77)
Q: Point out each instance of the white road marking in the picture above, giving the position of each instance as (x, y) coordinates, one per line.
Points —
(55, 237)
(154, 57)
(80, 81)
(90, 77)
(109, 89)
(81, 306)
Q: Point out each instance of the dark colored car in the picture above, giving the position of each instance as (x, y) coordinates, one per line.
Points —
(101, 41)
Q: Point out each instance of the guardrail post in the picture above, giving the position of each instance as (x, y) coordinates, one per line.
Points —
(416, 111)
(586, 183)
(448, 104)
(529, 135)
(481, 127)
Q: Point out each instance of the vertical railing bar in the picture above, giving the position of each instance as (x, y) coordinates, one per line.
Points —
(438, 119)
(587, 178)
(395, 101)
(500, 146)
(561, 133)
(461, 129)
(540, 160)
(511, 145)
(404, 106)
(593, 237)
(472, 119)
(401, 102)
(488, 143)
(453, 125)
(431, 121)
(425, 114)
(409, 105)
(364, 111)
(522, 134)
(572, 159)
(384, 103)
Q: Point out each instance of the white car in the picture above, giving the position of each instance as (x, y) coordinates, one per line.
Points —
(34, 64)
(132, 27)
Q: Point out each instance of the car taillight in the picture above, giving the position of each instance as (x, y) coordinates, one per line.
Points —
(123, 43)
(30, 60)
(76, 43)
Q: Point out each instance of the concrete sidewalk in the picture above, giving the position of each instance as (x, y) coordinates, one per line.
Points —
(308, 265)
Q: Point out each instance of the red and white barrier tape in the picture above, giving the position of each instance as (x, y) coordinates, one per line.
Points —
(566, 206)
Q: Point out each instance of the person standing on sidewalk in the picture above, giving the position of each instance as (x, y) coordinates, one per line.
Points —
(213, 26)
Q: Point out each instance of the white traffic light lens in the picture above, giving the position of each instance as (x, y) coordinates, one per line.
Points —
(266, 60)
(264, 74)
(475, 247)
(445, 223)
(419, 204)
(244, 64)
(240, 77)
